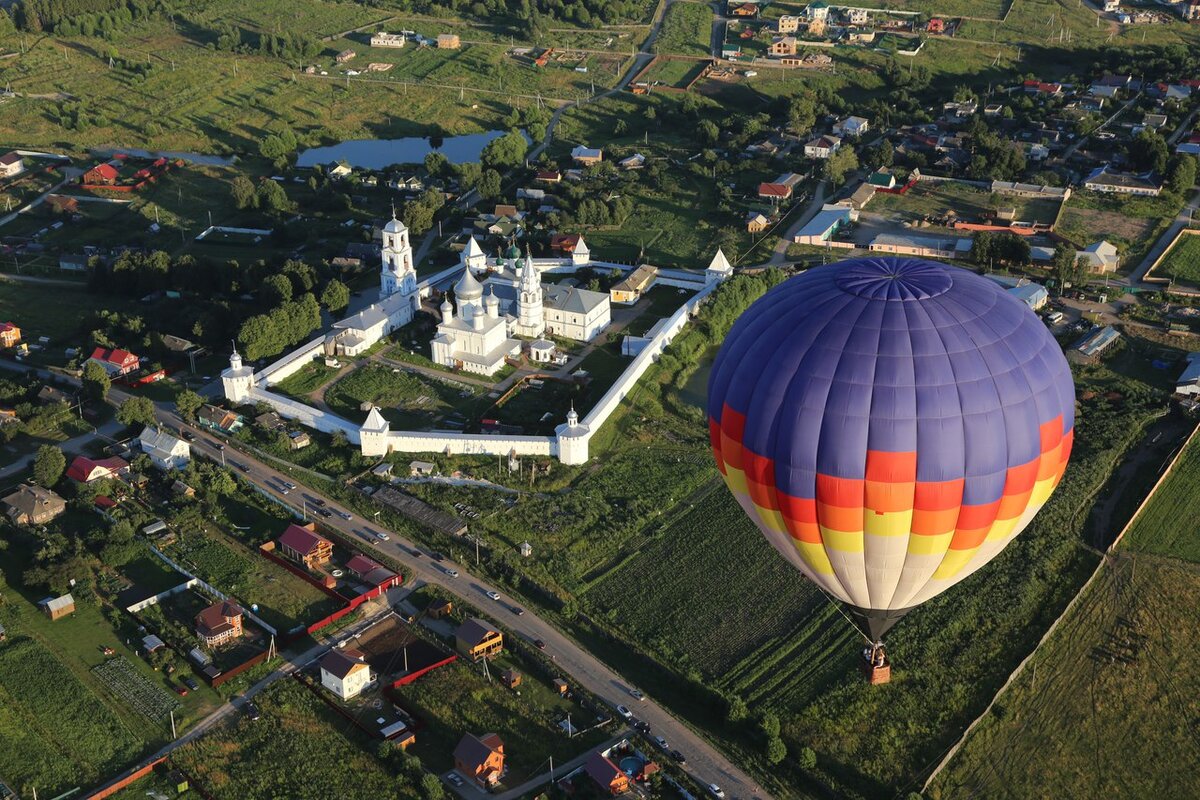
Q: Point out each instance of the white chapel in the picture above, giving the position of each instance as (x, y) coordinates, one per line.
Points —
(473, 338)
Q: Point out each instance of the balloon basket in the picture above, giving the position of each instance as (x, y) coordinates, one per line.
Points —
(876, 666)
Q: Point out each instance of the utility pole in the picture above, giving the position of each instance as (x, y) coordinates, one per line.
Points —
(173, 734)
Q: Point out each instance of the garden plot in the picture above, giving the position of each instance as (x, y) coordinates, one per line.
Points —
(138, 693)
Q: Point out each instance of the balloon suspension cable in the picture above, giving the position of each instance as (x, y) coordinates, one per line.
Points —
(838, 605)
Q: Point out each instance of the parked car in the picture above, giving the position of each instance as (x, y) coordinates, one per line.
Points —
(437, 556)
(517, 610)
(539, 644)
(344, 515)
(288, 484)
(636, 694)
(252, 711)
(181, 691)
(641, 727)
(625, 712)
(189, 436)
(453, 573)
(324, 512)
(716, 791)
(493, 595)
(191, 684)
(216, 444)
(678, 756)
(662, 743)
(454, 778)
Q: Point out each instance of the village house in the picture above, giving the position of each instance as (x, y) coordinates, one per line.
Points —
(775, 192)
(629, 289)
(822, 147)
(756, 222)
(480, 759)
(219, 623)
(851, 127)
(371, 572)
(1101, 256)
(936, 25)
(298, 440)
(477, 639)
(100, 175)
(52, 394)
(787, 23)
(345, 672)
(383, 39)
(219, 419)
(116, 362)
(10, 334)
(783, 46)
(57, 607)
(11, 164)
(586, 156)
(817, 11)
(73, 262)
(858, 16)
(339, 170)
(344, 56)
(1105, 180)
(32, 505)
(548, 176)
(606, 775)
(743, 10)
(166, 451)
(920, 246)
(304, 545)
(821, 228)
(86, 470)
(439, 609)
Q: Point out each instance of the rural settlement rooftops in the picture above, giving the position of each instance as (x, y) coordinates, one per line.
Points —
(301, 540)
(341, 662)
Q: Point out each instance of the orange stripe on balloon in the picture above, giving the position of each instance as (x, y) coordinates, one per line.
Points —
(885, 467)
(845, 492)
(1021, 477)
(1051, 433)
(934, 523)
(800, 509)
(938, 495)
(840, 518)
(969, 538)
(883, 497)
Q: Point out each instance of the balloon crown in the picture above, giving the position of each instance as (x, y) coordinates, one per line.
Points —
(900, 279)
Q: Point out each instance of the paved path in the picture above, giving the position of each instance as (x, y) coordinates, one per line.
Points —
(706, 763)
(73, 446)
(786, 239)
(1181, 221)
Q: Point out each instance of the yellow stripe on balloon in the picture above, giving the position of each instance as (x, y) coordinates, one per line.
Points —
(815, 556)
(933, 545)
(735, 479)
(771, 518)
(1042, 490)
(889, 523)
(953, 563)
(1002, 528)
(842, 541)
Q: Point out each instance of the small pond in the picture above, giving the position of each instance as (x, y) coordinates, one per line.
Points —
(380, 153)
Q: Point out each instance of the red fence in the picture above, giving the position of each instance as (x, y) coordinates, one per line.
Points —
(132, 777)
(412, 676)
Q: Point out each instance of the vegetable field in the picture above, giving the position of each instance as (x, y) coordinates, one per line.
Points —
(56, 733)
(135, 691)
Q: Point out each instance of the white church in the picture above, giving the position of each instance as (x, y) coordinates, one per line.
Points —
(514, 298)
(399, 298)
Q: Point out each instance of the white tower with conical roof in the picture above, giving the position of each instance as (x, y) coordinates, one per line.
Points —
(572, 438)
(473, 256)
(237, 379)
(531, 313)
(373, 434)
(581, 254)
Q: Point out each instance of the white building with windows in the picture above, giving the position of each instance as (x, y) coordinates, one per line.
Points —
(473, 337)
(345, 672)
(574, 313)
(166, 451)
(531, 315)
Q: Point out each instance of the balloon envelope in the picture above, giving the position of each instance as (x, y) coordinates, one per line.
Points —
(890, 425)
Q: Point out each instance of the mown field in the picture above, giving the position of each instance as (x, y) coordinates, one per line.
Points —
(939, 199)
(300, 748)
(1108, 706)
(406, 399)
(1182, 261)
(1165, 526)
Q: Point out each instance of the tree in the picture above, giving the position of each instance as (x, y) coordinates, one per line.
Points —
(806, 759)
(1064, 265)
(1182, 176)
(769, 724)
(436, 164)
(489, 184)
(505, 152)
(136, 411)
(709, 132)
(272, 197)
(48, 465)
(95, 380)
(842, 161)
(1148, 152)
(776, 750)
(431, 786)
(801, 114)
(336, 295)
(242, 190)
(187, 403)
(737, 710)
(276, 290)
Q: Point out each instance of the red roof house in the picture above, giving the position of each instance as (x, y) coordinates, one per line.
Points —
(564, 242)
(86, 470)
(607, 775)
(371, 572)
(115, 362)
(101, 175)
(774, 191)
(936, 25)
(303, 544)
(219, 623)
(549, 176)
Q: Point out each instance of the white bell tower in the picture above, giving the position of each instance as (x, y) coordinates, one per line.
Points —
(531, 314)
(237, 379)
(396, 273)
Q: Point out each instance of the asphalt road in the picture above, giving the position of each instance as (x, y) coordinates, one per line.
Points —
(705, 763)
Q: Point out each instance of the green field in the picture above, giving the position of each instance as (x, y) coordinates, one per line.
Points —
(930, 199)
(406, 399)
(59, 312)
(303, 383)
(1164, 527)
(686, 30)
(1182, 261)
(283, 599)
(981, 9)
(300, 748)
(1131, 223)
(1107, 707)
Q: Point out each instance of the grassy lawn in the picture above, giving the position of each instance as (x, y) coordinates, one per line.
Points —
(1163, 527)
(458, 699)
(539, 409)
(300, 748)
(283, 599)
(59, 312)
(406, 399)
(1114, 675)
(674, 72)
(686, 30)
(1183, 261)
(983, 9)
(303, 383)
(1131, 223)
(929, 199)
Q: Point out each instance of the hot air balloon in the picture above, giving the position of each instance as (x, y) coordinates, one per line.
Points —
(890, 424)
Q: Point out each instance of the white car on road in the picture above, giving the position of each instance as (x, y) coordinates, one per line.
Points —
(453, 573)
(383, 537)
(625, 712)
(493, 595)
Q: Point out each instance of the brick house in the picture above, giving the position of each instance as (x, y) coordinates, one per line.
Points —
(219, 623)
(480, 758)
(477, 639)
(303, 545)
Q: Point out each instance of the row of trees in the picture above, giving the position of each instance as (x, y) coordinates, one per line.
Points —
(39, 15)
(288, 324)
(290, 46)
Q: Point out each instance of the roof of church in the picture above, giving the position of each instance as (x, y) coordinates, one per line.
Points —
(394, 225)
(468, 288)
(472, 249)
(572, 299)
(375, 421)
